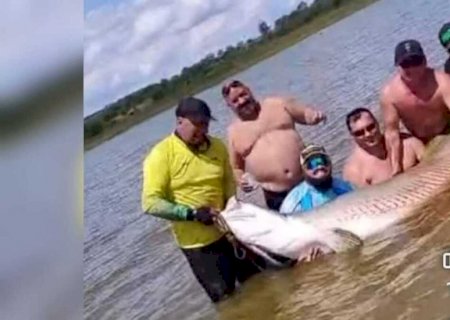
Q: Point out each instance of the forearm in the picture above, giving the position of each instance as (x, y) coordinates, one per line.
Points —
(238, 173)
(311, 116)
(395, 150)
(164, 209)
(302, 113)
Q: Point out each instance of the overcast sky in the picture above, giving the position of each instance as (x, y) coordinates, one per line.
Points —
(132, 43)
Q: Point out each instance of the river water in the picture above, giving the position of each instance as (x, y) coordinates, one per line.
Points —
(132, 268)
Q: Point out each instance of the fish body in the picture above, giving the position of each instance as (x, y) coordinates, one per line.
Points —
(351, 218)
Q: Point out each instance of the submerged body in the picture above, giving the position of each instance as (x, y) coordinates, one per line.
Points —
(356, 216)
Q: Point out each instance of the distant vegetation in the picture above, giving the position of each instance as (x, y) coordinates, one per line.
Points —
(214, 67)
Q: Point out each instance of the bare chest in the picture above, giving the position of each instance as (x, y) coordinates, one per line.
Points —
(375, 170)
(247, 133)
(420, 106)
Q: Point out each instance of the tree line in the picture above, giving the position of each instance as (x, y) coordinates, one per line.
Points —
(207, 69)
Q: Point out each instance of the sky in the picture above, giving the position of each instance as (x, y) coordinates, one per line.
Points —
(129, 44)
(37, 45)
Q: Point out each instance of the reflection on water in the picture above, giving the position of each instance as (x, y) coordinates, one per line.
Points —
(133, 269)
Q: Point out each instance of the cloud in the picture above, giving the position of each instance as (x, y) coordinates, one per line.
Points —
(36, 45)
(133, 43)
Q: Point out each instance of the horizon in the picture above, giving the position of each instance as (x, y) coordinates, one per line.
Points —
(110, 73)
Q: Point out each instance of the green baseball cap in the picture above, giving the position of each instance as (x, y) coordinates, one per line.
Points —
(444, 35)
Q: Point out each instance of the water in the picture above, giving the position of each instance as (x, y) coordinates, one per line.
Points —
(133, 270)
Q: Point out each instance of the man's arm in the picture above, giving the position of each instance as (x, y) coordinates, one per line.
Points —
(156, 180)
(418, 148)
(444, 85)
(392, 133)
(237, 162)
(303, 114)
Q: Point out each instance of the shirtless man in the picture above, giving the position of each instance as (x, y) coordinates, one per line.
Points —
(416, 95)
(369, 162)
(263, 140)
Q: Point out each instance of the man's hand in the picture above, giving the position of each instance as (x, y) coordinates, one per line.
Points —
(247, 183)
(314, 253)
(318, 117)
(205, 215)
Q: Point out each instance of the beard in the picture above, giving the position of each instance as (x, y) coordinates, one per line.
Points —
(249, 109)
(323, 184)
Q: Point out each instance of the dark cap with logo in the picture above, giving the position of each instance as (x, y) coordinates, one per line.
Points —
(191, 107)
(444, 35)
(407, 49)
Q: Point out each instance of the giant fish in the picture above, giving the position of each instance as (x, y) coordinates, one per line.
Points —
(345, 222)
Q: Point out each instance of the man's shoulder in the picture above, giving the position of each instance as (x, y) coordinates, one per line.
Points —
(442, 77)
(233, 127)
(388, 88)
(161, 146)
(341, 184)
(300, 189)
(165, 142)
(217, 142)
(440, 73)
(354, 159)
(219, 145)
(272, 101)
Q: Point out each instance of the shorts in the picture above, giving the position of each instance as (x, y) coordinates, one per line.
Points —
(274, 200)
(217, 269)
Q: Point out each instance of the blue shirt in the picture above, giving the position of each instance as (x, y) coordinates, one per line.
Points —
(305, 197)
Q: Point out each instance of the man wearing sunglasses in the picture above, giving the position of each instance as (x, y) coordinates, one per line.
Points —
(418, 96)
(369, 162)
(319, 186)
(444, 39)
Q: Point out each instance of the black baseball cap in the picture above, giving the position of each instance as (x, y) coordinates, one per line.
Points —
(444, 35)
(407, 49)
(193, 107)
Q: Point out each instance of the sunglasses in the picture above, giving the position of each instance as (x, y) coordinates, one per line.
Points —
(413, 61)
(315, 162)
(360, 132)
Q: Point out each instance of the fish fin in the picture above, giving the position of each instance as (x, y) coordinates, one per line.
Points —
(344, 240)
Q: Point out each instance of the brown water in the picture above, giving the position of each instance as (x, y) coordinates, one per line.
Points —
(133, 270)
(398, 277)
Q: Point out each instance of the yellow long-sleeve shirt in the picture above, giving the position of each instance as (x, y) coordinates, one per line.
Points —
(177, 178)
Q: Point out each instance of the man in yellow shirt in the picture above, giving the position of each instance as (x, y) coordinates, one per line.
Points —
(187, 180)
